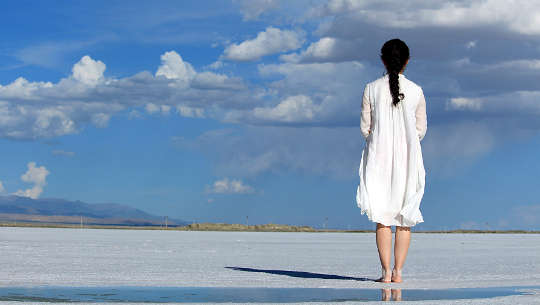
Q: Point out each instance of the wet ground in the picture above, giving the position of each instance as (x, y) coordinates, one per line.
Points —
(89, 265)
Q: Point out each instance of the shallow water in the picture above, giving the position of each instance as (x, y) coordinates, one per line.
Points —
(244, 294)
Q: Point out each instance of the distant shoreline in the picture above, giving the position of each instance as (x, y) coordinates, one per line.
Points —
(238, 228)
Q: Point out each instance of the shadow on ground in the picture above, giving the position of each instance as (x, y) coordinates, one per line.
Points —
(303, 274)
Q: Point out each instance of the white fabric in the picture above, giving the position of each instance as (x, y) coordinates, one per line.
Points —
(392, 174)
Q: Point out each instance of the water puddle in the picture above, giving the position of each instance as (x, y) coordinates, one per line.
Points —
(138, 294)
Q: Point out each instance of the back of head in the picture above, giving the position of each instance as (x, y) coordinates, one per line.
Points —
(394, 54)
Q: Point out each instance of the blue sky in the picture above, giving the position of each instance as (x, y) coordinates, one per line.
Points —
(218, 110)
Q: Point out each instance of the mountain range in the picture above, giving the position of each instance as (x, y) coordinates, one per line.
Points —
(52, 210)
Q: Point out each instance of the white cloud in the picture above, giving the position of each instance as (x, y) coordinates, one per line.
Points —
(190, 112)
(506, 66)
(232, 186)
(134, 114)
(210, 80)
(464, 103)
(174, 67)
(22, 88)
(2, 189)
(100, 120)
(37, 176)
(293, 109)
(216, 65)
(520, 16)
(322, 48)
(471, 44)
(88, 71)
(313, 94)
(272, 40)
(252, 9)
(509, 103)
(152, 108)
(28, 121)
(34, 110)
(326, 49)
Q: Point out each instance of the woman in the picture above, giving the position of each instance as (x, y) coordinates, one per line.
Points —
(392, 174)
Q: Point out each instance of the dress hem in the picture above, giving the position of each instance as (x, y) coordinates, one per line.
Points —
(383, 222)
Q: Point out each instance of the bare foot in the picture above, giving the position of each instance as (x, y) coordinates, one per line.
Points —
(386, 277)
(396, 276)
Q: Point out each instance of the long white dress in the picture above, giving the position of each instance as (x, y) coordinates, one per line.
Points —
(392, 174)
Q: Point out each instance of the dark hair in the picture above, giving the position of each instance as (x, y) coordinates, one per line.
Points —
(395, 54)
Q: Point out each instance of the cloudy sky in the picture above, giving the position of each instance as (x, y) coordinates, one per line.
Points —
(218, 110)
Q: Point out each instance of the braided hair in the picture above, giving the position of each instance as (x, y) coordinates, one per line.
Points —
(394, 54)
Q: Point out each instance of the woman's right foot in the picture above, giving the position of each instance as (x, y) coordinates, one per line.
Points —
(386, 277)
(396, 276)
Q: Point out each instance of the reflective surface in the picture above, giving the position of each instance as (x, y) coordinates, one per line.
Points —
(243, 294)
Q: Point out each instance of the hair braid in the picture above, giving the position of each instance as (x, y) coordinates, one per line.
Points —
(395, 54)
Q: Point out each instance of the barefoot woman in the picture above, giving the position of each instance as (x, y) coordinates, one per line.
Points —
(392, 174)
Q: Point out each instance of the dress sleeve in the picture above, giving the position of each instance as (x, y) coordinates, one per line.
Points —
(365, 121)
(421, 116)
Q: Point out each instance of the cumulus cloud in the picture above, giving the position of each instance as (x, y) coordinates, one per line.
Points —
(37, 176)
(22, 88)
(35, 110)
(271, 41)
(88, 71)
(174, 67)
(232, 186)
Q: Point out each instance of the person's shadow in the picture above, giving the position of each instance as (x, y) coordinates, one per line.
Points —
(303, 274)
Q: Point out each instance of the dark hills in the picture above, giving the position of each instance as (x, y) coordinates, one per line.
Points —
(52, 210)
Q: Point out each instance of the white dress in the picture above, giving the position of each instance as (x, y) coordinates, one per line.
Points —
(392, 174)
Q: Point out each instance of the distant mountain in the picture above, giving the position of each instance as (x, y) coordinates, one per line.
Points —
(51, 210)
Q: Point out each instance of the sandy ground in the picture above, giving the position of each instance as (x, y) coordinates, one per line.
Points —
(92, 257)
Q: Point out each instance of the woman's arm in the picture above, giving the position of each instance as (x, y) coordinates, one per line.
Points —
(421, 116)
(365, 121)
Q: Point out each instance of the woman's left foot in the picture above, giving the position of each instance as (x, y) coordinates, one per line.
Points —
(385, 278)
